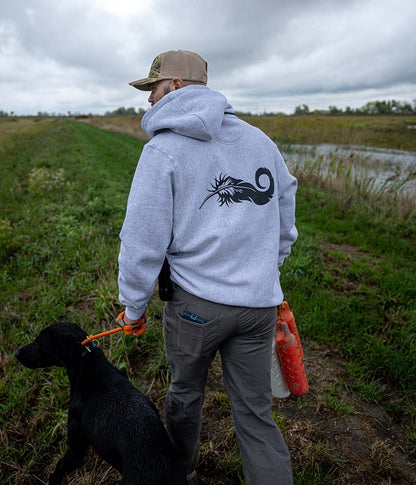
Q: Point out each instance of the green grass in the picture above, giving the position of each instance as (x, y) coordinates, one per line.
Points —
(64, 192)
(359, 297)
(350, 281)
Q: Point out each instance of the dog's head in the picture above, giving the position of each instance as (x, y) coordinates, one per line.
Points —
(57, 345)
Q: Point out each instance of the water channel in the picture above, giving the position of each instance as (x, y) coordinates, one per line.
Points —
(386, 168)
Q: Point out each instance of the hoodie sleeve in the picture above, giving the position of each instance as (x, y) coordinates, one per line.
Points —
(287, 191)
(146, 232)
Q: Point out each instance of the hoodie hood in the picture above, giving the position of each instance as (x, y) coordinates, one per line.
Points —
(194, 111)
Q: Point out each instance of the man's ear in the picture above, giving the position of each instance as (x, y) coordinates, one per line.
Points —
(177, 83)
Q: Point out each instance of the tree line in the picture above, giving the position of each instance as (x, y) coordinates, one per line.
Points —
(392, 107)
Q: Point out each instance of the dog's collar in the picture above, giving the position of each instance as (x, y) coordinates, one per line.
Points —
(89, 347)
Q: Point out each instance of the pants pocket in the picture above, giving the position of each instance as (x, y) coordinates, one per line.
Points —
(198, 340)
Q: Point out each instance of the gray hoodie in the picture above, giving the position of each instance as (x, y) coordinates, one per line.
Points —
(213, 194)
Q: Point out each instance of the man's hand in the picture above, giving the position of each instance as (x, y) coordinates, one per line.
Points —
(131, 326)
(127, 321)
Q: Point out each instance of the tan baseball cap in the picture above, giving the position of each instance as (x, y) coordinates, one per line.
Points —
(187, 65)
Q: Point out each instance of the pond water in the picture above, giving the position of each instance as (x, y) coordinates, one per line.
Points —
(387, 167)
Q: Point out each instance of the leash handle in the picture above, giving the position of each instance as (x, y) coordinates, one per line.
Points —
(136, 329)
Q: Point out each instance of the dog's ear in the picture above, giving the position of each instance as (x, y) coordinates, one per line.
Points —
(70, 351)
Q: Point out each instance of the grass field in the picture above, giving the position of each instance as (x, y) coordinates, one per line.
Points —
(351, 281)
(395, 132)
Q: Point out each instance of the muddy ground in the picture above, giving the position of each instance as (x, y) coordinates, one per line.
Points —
(329, 431)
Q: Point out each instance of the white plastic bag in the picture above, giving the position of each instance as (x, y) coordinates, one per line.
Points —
(279, 386)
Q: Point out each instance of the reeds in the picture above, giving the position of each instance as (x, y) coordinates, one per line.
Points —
(360, 179)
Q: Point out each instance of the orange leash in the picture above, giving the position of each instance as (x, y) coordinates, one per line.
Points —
(136, 329)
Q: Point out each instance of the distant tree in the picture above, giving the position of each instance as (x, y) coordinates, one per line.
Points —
(302, 110)
(406, 109)
(391, 107)
(333, 110)
(122, 111)
(387, 108)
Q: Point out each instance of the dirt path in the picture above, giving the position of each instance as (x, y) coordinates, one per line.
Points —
(330, 431)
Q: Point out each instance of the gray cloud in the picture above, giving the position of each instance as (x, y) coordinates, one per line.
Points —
(264, 55)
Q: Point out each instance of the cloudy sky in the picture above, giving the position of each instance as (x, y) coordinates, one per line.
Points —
(264, 55)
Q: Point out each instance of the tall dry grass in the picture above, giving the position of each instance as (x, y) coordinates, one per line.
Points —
(126, 125)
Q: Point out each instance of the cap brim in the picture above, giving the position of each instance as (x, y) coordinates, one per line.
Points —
(145, 84)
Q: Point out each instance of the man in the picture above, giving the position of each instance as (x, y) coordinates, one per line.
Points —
(213, 195)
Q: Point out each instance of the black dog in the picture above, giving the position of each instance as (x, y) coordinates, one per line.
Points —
(105, 410)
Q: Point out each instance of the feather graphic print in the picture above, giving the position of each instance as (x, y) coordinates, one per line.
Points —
(230, 190)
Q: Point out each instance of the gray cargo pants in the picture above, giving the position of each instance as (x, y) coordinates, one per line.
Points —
(243, 336)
